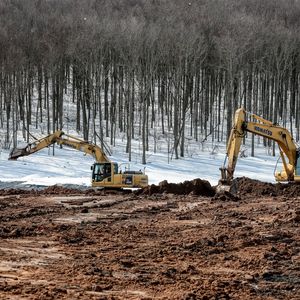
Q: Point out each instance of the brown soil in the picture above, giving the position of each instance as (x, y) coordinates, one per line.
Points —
(164, 242)
(196, 187)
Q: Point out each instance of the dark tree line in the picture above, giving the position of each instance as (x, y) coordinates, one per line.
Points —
(139, 66)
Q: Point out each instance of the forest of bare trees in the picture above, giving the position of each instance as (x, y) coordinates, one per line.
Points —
(132, 66)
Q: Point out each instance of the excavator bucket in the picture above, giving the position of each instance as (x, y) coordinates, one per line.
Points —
(226, 184)
(223, 187)
(227, 187)
(15, 153)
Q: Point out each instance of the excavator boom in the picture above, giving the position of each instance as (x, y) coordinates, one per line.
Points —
(83, 146)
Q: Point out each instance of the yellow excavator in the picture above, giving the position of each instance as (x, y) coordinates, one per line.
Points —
(289, 151)
(105, 174)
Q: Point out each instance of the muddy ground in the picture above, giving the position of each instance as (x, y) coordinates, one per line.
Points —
(165, 242)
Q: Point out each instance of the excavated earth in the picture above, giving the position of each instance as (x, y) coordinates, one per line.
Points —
(171, 241)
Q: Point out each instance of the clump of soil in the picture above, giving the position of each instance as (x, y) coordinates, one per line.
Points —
(196, 187)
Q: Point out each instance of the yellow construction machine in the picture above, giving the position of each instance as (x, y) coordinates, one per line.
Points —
(105, 174)
(289, 151)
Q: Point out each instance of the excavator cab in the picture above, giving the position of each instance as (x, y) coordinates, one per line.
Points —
(103, 171)
(108, 175)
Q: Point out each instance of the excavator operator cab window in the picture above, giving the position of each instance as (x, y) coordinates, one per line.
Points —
(297, 171)
(116, 169)
(97, 172)
(101, 171)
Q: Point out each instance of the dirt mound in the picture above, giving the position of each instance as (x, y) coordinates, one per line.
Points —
(244, 186)
(61, 190)
(51, 190)
(58, 190)
(10, 191)
(196, 187)
(247, 186)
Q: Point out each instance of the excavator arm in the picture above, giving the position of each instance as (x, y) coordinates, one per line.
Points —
(35, 146)
(60, 138)
(265, 128)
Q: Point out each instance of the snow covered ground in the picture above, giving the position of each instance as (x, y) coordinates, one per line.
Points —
(70, 167)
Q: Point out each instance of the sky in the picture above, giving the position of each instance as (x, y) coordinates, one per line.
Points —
(70, 166)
